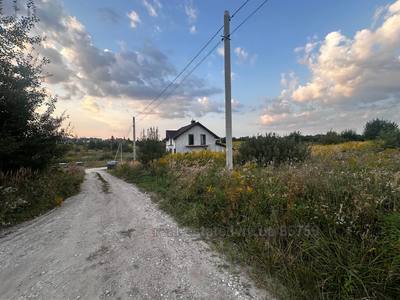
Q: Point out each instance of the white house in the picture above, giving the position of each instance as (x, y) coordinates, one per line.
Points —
(192, 137)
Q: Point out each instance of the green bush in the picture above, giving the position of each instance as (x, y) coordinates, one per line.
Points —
(272, 149)
(149, 146)
(149, 149)
(373, 129)
(390, 138)
(350, 135)
(25, 194)
(330, 138)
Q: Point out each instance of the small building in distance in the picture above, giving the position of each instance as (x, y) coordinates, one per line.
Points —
(192, 137)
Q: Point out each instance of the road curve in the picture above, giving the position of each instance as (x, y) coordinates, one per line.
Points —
(115, 245)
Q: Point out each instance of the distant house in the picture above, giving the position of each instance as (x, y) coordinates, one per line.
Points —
(192, 137)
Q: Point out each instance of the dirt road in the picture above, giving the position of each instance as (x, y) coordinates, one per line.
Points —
(114, 245)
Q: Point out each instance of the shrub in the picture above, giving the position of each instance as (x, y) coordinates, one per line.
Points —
(25, 194)
(195, 158)
(149, 150)
(150, 147)
(390, 138)
(350, 135)
(272, 149)
(373, 129)
(330, 138)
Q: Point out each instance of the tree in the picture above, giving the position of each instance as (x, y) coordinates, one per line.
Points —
(373, 129)
(350, 135)
(28, 138)
(331, 137)
(390, 138)
(150, 147)
(151, 133)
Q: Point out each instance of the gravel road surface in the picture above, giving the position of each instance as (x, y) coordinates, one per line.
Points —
(115, 245)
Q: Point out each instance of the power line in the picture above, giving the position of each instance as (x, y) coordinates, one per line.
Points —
(201, 61)
(239, 8)
(186, 76)
(249, 16)
(183, 70)
(193, 59)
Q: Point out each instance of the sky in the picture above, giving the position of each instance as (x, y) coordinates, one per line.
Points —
(308, 66)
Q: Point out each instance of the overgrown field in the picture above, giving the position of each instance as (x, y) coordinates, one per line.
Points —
(25, 194)
(91, 158)
(326, 228)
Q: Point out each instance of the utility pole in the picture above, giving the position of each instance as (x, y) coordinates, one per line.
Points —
(134, 138)
(121, 152)
(228, 97)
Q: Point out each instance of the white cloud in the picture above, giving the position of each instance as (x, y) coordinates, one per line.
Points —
(236, 105)
(152, 7)
(241, 54)
(394, 8)
(362, 68)
(351, 77)
(134, 19)
(80, 69)
(244, 56)
(88, 103)
(220, 51)
(204, 105)
(74, 24)
(191, 12)
(193, 29)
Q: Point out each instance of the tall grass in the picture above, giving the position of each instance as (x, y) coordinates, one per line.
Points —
(25, 194)
(328, 228)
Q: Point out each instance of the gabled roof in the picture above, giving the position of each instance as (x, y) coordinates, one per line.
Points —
(169, 134)
(173, 134)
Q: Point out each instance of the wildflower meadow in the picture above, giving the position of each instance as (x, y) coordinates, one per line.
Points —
(327, 227)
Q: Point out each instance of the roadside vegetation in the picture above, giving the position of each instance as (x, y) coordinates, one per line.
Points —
(26, 194)
(95, 152)
(31, 136)
(325, 224)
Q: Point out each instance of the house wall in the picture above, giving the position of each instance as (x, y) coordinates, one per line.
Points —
(182, 141)
(170, 145)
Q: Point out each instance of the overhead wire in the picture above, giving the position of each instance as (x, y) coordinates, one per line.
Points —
(249, 16)
(191, 61)
(145, 113)
(183, 70)
(186, 76)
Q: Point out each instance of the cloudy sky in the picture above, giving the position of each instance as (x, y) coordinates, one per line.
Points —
(296, 65)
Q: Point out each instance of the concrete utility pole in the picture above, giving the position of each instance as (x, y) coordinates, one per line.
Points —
(134, 138)
(121, 152)
(228, 97)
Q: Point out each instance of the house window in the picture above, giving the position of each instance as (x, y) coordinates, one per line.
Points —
(170, 142)
(203, 139)
(191, 140)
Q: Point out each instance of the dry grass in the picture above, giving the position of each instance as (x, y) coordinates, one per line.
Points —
(26, 194)
(327, 228)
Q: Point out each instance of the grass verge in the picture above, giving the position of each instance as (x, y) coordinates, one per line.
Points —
(327, 228)
(26, 194)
